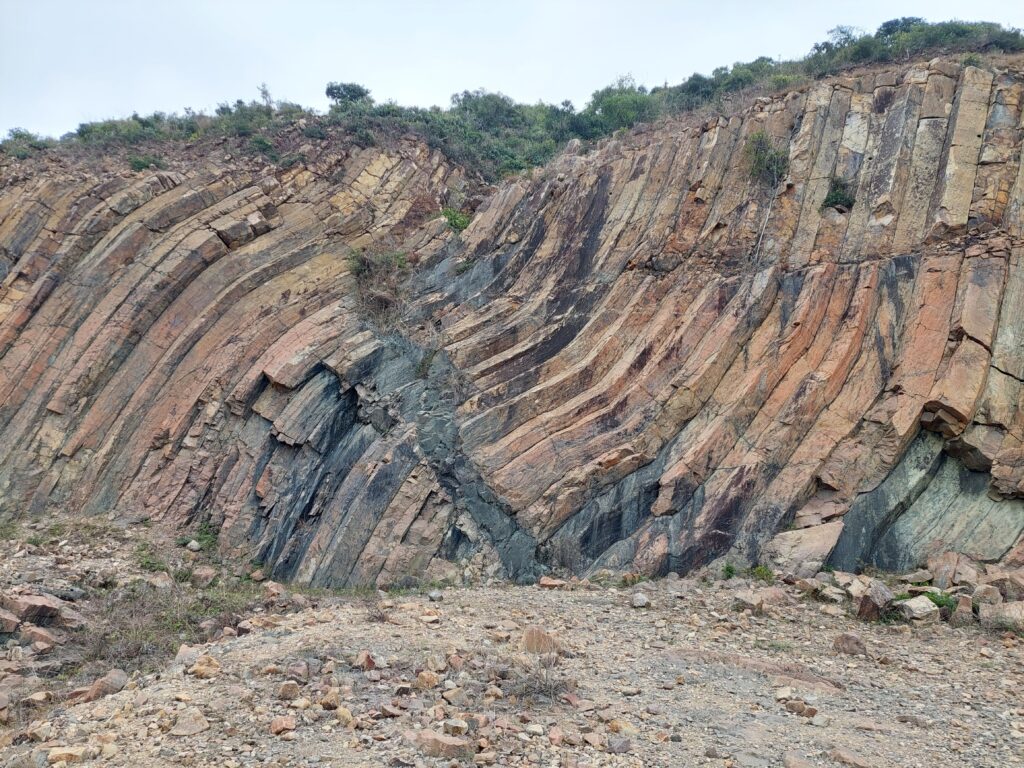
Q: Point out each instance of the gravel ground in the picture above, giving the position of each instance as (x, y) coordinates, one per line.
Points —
(571, 676)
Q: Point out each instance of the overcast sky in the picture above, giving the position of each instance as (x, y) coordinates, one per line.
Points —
(63, 62)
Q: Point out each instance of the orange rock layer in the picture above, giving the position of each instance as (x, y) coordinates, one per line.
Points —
(637, 357)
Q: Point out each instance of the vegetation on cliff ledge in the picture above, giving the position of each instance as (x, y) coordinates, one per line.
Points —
(493, 135)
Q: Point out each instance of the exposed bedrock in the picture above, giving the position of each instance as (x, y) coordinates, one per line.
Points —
(636, 357)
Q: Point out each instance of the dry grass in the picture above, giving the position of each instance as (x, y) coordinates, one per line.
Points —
(138, 627)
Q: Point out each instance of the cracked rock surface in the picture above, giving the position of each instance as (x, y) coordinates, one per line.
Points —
(633, 358)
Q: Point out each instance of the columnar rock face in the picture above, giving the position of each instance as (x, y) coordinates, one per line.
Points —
(638, 357)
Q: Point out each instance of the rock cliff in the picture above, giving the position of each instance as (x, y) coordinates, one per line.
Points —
(637, 357)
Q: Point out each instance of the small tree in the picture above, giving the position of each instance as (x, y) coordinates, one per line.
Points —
(347, 93)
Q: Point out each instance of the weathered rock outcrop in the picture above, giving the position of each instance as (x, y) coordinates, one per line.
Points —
(636, 357)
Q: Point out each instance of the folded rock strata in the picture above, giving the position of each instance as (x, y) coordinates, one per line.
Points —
(636, 357)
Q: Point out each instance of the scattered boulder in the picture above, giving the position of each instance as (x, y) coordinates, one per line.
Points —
(109, 684)
(1009, 583)
(39, 609)
(875, 602)
(8, 622)
(1002, 615)
(963, 614)
(986, 593)
(919, 610)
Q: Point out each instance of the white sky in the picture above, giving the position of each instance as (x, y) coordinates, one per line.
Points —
(63, 62)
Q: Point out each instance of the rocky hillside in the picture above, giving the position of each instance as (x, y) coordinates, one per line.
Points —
(638, 357)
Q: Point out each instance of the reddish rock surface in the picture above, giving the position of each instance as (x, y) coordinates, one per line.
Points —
(634, 358)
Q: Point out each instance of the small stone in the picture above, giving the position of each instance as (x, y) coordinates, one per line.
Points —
(194, 546)
(795, 760)
(289, 690)
(851, 644)
(203, 576)
(426, 680)
(344, 716)
(435, 596)
(619, 745)
(454, 696)
(639, 600)
(536, 640)
(190, 722)
(205, 667)
(66, 755)
(435, 744)
(282, 724)
(849, 757)
(455, 726)
(364, 660)
(548, 582)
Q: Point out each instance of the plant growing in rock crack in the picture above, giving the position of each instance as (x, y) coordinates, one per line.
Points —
(840, 194)
(456, 219)
(142, 162)
(205, 536)
(762, 573)
(380, 278)
(768, 165)
(728, 571)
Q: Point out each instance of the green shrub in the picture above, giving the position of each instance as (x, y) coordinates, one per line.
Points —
(292, 159)
(768, 164)
(491, 135)
(149, 560)
(457, 220)
(263, 146)
(314, 131)
(728, 571)
(142, 162)
(205, 536)
(762, 573)
(942, 600)
(21, 144)
(840, 193)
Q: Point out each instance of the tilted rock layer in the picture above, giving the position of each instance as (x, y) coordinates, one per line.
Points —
(638, 357)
